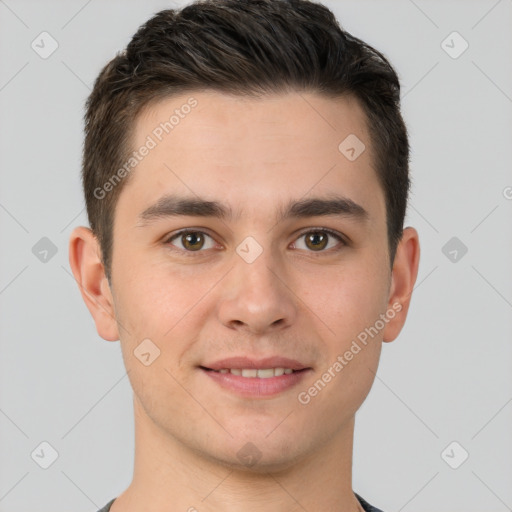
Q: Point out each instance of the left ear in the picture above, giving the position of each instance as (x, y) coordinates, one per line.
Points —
(403, 277)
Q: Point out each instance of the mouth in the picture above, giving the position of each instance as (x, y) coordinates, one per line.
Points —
(259, 373)
(252, 378)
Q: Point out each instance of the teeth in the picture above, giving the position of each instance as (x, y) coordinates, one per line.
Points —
(265, 373)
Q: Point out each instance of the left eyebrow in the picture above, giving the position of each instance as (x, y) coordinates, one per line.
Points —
(172, 206)
(316, 207)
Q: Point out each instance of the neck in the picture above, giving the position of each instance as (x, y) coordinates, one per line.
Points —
(170, 476)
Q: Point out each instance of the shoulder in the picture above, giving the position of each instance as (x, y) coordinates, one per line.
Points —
(367, 507)
(106, 508)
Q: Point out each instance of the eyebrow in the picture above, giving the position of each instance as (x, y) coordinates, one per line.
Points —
(172, 206)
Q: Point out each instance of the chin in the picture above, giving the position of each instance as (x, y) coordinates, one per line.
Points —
(259, 455)
(268, 463)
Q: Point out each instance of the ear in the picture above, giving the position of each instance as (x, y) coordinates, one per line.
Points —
(403, 277)
(86, 265)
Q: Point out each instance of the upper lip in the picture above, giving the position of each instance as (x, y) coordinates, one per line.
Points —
(242, 362)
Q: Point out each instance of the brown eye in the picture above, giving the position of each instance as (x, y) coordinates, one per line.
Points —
(316, 241)
(319, 240)
(191, 241)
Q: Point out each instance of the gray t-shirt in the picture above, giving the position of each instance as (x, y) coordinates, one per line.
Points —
(106, 508)
(367, 507)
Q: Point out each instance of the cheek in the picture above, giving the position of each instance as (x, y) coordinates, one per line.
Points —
(348, 298)
(149, 295)
(165, 306)
(350, 303)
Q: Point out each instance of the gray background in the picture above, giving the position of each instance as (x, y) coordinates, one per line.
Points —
(446, 378)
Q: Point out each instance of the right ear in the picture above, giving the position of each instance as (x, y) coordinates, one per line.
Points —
(87, 267)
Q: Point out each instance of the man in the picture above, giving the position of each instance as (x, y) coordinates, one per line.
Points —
(246, 177)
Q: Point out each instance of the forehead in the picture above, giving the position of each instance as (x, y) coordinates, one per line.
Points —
(252, 151)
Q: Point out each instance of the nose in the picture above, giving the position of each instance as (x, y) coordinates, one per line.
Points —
(256, 297)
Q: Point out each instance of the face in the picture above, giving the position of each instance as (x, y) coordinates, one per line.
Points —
(246, 233)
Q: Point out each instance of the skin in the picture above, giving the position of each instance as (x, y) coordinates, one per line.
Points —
(294, 300)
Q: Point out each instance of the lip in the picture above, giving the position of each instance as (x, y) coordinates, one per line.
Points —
(255, 387)
(242, 362)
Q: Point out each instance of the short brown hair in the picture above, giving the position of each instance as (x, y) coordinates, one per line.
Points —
(243, 47)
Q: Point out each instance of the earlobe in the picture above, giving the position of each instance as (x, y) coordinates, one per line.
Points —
(86, 265)
(403, 278)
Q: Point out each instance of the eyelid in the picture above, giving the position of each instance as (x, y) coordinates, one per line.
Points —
(341, 238)
(176, 234)
(167, 240)
(324, 230)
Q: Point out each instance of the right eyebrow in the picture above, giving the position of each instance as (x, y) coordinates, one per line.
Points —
(171, 206)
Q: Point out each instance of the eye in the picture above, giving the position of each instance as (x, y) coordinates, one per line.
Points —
(319, 239)
(315, 240)
(192, 241)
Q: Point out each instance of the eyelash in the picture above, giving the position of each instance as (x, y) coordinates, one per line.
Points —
(330, 232)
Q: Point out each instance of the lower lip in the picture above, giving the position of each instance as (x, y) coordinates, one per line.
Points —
(254, 387)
